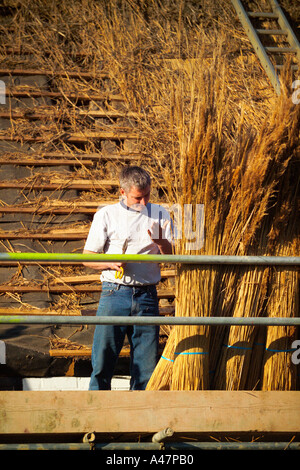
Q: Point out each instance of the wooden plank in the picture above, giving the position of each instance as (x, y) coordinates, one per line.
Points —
(80, 184)
(49, 207)
(36, 412)
(87, 352)
(67, 236)
(81, 207)
(59, 184)
(77, 156)
(50, 288)
(45, 162)
(49, 210)
(46, 210)
(78, 137)
(53, 113)
(109, 114)
(21, 50)
(78, 279)
(59, 288)
(33, 311)
(51, 73)
(95, 156)
(77, 95)
(166, 311)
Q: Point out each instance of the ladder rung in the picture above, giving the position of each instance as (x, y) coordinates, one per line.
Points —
(271, 31)
(280, 67)
(260, 14)
(280, 49)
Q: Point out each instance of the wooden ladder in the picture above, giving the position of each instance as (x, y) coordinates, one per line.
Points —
(268, 55)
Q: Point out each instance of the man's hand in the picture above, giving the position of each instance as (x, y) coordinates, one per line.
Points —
(114, 266)
(102, 266)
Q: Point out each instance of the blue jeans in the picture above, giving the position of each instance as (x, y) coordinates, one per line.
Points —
(124, 300)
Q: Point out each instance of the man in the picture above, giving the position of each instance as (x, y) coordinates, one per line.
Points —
(146, 228)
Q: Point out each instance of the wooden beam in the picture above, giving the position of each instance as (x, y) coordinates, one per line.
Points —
(53, 113)
(77, 95)
(59, 288)
(82, 207)
(65, 236)
(54, 73)
(84, 352)
(33, 311)
(114, 114)
(46, 162)
(21, 50)
(87, 352)
(39, 158)
(61, 184)
(81, 279)
(38, 412)
(46, 210)
(81, 184)
(75, 137)
(167, 310)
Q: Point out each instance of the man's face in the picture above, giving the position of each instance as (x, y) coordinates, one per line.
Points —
(136, 198)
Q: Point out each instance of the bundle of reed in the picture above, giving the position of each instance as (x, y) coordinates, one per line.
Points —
(204, 175)
(241, 290)
(198, 290)
(275, 368)
(201, 150)
(279, 371)
(233, 366)
(159, 380)
(253, 381)
(191, 343)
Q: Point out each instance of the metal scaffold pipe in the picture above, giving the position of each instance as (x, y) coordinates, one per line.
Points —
(135, 320)
(133, 446)
(176, 259)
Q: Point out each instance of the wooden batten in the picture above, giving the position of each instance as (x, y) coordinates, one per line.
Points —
(56, 412)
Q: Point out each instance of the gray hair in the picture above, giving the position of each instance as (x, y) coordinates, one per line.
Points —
(134, 176)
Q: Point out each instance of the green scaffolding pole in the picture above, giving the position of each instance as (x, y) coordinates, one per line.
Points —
(175, 259)
(135, 320)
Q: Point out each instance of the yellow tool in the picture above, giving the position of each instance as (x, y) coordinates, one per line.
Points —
(120, 274)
